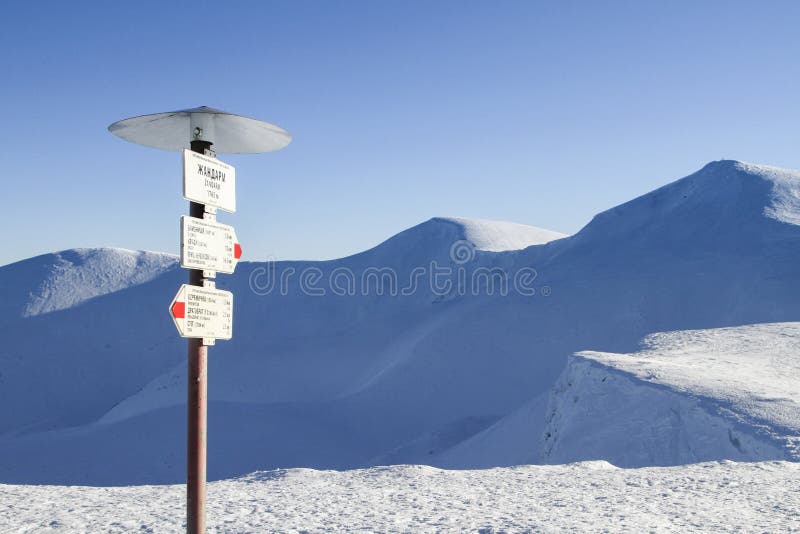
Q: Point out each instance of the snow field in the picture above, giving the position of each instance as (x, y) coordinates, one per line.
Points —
(589, 496)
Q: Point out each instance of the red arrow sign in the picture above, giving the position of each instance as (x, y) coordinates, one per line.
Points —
(203, 312)
(178, 310)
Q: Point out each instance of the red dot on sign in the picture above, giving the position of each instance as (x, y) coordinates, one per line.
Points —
(179, 310)
(237, 251)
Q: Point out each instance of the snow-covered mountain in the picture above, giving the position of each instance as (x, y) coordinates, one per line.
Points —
(448, 344)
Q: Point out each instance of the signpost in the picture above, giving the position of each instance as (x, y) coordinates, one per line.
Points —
(208, 245)
(201, 312)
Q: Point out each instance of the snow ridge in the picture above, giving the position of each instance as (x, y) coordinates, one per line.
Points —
(687, 396)
(500, 236)
(71, 277)
(722, 196)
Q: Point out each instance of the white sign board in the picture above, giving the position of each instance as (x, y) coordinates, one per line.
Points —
(209, 181)
(209, 246)
(203, 312)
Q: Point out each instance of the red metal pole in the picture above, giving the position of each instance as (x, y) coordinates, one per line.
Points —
(197, 434)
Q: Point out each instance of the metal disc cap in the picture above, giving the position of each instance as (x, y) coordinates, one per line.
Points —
(228, 132)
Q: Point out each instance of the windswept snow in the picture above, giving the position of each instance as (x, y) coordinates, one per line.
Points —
(687, 396)
(434, 239)
(785, 193)
(752, 373)
(65, 279)
(592, 496)
(499, 236)
(728, 205)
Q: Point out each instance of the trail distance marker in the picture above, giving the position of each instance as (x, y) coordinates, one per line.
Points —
(209, 245)
(203, 312)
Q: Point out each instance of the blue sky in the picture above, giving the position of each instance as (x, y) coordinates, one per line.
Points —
(542, 113)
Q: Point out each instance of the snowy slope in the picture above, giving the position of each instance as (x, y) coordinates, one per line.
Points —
(389, 330)
(65, 279)
(499, 236)
(591, 496)
(515, 439)
(685, 397)
(297, 361)
(72, 324)
(355, 378)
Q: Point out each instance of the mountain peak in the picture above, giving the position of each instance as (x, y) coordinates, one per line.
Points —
(434, 238)
(726, 199)
(67, 278)
(499, 236)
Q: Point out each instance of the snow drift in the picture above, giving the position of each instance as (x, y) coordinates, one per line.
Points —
(686, 397)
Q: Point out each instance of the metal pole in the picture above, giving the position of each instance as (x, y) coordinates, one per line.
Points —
(196, 435)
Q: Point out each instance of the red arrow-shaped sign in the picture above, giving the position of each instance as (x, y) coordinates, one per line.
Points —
(209, 316)
(237, 251)
(178, 310)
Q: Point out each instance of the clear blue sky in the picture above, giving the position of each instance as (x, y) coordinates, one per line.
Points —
(541, 113)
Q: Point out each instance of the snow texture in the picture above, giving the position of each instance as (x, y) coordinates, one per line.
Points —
(745, 381)
(592, 496)
(499, 236)
(75, 276)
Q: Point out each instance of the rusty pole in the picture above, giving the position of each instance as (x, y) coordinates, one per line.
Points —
(196, 435)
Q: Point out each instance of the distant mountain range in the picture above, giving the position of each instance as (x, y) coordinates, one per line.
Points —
(451, 344)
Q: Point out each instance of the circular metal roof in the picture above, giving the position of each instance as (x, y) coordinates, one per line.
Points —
(229, 133)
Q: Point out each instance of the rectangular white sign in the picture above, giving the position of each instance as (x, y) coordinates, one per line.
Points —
(203, 312)
(209, 181)
(209, 246)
